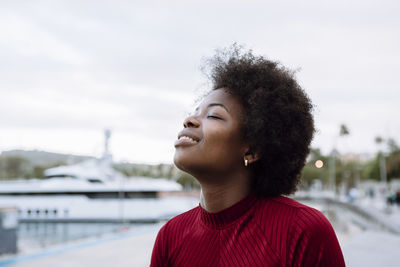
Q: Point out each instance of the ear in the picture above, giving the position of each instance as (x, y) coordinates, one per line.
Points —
(251, 156)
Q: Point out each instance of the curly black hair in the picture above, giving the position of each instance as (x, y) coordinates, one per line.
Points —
(278, 122)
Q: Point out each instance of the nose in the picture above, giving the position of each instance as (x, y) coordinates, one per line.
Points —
(191, 121)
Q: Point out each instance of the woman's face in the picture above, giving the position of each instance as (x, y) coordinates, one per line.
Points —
(211, 141)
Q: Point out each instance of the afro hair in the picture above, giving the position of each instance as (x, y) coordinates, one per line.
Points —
(278, 122)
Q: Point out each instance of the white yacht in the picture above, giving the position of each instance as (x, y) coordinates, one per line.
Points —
(93, 191)
(93, 178)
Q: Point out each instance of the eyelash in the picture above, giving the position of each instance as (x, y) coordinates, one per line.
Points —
(214, 117)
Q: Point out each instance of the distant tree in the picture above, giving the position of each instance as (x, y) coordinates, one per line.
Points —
(378, 140)
(382, 159)
(393, 159)
(393, 165)
(159, 170)
(344, 130)
(15, 167)
(187, 181)
(38, 171)
(342, 172)
(310, 172)
(392, 145)
(315, 154)
(153, 171)
(371, 169)
(170, 172)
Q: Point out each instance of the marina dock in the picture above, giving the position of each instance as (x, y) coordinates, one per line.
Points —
(122, 250)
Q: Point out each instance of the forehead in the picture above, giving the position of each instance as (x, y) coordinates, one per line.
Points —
(221, 96)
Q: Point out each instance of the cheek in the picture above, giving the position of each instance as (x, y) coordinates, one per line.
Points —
(223, 144)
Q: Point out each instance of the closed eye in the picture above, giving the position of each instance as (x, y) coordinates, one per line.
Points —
(214, 117)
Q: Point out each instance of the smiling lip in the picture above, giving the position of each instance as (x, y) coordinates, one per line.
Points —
(185, 142)
(186, 138)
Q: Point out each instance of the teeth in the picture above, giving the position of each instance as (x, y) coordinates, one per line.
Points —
(188, 138)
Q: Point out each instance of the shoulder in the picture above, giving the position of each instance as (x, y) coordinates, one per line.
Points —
(179, 225)
(311, 239)
(279, 207)
(183, 219)
(171, 234)
(291, 216)
(306, 234)
(304, 217)
(286, 204)
(311, 219)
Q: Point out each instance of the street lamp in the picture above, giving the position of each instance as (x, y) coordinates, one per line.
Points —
(319, 164)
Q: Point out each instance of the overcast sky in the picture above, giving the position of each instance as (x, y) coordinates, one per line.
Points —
(70, 69)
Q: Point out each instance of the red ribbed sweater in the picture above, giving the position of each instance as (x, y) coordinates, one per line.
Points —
(276, 231)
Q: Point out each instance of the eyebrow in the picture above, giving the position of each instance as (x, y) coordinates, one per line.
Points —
(213, 105)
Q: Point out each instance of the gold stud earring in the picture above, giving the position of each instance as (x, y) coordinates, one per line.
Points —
(246, 162)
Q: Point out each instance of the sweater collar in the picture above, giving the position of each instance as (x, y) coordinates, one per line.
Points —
(226, 216)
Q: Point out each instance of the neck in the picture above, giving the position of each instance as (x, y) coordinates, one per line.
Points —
(217, 197)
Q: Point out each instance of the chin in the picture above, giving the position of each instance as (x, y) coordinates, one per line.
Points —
(179, 162)
(183, 163)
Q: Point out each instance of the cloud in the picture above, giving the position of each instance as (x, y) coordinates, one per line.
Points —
(73, 66)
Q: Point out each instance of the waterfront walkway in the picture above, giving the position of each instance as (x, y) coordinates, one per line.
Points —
(122, 250)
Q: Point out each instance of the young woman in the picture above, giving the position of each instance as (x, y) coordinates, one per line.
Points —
(246, 144)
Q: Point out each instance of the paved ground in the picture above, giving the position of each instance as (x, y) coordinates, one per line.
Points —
(122, 250)
(373, 249)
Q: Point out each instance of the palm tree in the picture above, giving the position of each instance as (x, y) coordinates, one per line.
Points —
(344, 130)
(382, 161)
